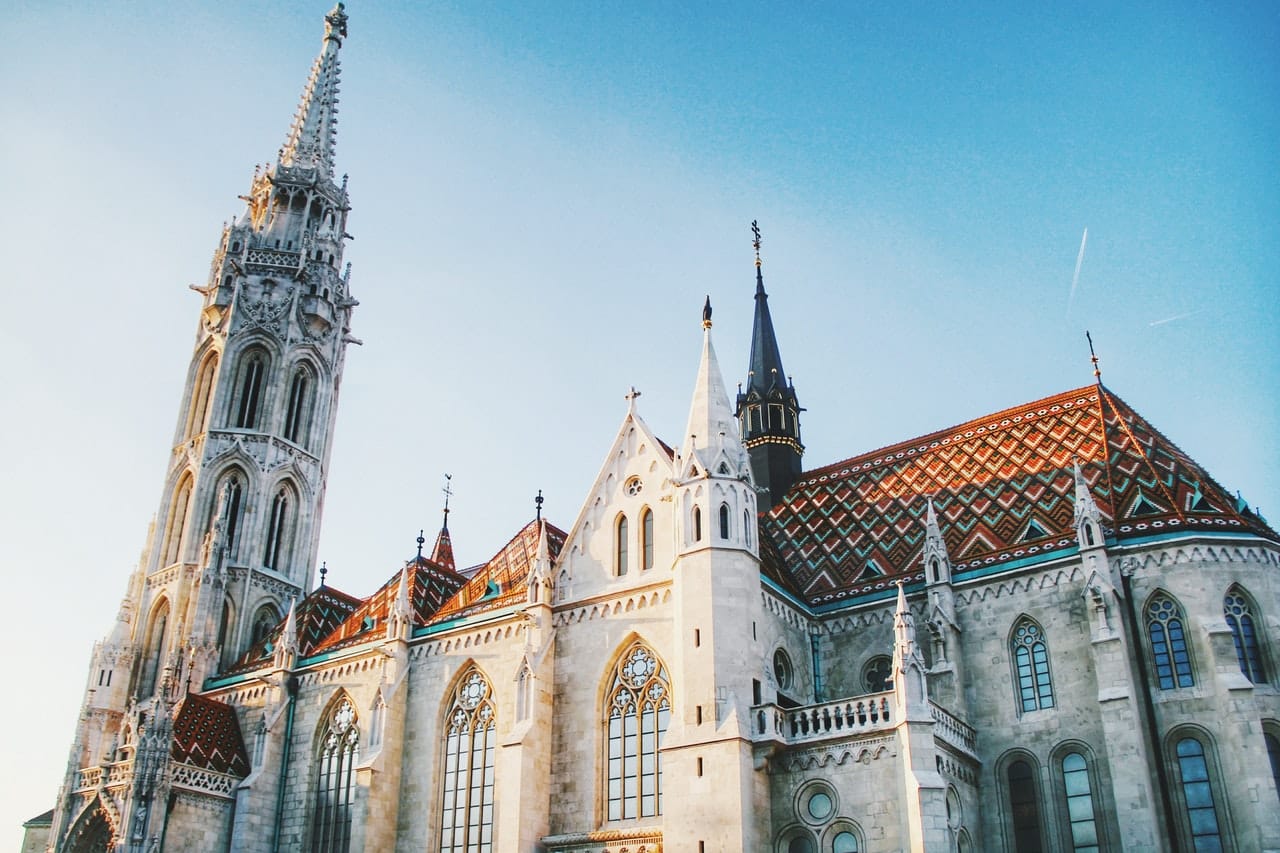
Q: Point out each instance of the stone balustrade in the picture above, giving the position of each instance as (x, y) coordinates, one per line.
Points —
(840, 718)
(953, 731)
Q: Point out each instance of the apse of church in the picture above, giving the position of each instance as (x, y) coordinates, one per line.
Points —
(1043, 629)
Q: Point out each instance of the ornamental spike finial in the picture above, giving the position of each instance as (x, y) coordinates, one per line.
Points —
(1093, 356)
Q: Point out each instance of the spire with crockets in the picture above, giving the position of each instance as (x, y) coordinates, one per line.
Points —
(314, 131)
(767, 409)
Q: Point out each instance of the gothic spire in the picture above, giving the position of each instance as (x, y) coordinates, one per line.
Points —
(711, 422)
(765, 371)
(442, 553)
(314, 131)
(767, 409)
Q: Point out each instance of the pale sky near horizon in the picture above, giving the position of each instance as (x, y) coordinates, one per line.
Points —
(542, 196)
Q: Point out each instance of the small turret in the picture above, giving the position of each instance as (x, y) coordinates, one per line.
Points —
(767, 409)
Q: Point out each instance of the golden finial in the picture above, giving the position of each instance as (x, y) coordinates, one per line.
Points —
(755, 242)
(706, 313)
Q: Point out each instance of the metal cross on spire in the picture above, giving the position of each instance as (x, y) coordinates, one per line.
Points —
(755, 242)
(448, 492)
(538, 502)
(1093, 356)
(422, 540)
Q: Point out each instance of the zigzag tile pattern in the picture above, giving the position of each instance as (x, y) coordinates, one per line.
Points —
(1003, 489)
(504, 579)
(206, 734)
(430, 586)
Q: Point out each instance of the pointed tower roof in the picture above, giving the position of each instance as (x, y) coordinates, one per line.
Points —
(710, 414)
(314, 131)
(765, 371)
(442, 553)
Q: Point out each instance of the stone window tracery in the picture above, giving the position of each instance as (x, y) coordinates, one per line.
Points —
(296, 412)
(637, 710)
(335, 782)
(252, 377)
(276, 530)
(877, 676)
(1239, 615)
(1033, 681)
(1166, 631)
(466, 813)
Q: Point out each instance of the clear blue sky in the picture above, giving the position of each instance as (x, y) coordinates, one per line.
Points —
(542, 196)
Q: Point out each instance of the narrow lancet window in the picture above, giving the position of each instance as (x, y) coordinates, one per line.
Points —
(466, 813)
(620, 546)
(1079, 791)
(646, 538)
(1031, 667)
(335, 784)
(296, 411)
(1197, 796)
(697, 524)
(724, 521)
(276, 530)
(1244, 633)
(250, 392)
(1024, 807)
(1168, 644)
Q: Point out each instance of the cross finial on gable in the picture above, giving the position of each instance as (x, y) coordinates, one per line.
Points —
(538, 502)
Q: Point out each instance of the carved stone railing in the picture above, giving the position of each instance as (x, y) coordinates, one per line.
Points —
(632, 840)
(278, 258)
(953, 731)
(114, 775)
(825, 720)
(204, 781)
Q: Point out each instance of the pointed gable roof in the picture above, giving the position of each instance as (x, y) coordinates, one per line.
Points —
(318, 616)
(765, 371)
(502, 581)
(206, 734)
(442, 553)
(991, 479)
(430, 586)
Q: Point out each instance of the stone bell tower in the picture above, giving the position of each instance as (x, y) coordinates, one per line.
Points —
(234, 539)
(240, 512)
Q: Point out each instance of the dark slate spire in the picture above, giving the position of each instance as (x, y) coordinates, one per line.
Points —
(767, 409)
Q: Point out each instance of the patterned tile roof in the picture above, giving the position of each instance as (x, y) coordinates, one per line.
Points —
(502, 580)
(430, 586)
(1003, 490)
(319, 615)
(206, 734)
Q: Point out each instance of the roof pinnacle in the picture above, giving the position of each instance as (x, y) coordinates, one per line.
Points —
(421, 541)
(538, 503)
(448, 492)
(706, 313)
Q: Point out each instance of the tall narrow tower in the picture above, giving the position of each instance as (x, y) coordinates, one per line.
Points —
(767, 410)
(235, 537)
(255, 426)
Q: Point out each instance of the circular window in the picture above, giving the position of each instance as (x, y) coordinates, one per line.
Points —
(819, 806)
(782, 669)
(844, 842)
(634, 486)
(878, 675)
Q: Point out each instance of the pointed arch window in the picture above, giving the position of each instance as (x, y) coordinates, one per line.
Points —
(1239, 614)
(295, 413)
(264, 620)
(178, 515)
(156, 642)
(646, 539)
(724, 521)
(620, 546)
(1080, 813)
(746, 527)
(201, 394)
(335, 784)
(1198, 798)
(1024, 808)
(1273, 756)
(252, 377)
(276, 530)
(1166, 631)
(637, 709)
(466, 813)
(697, 524)
(1032, 680)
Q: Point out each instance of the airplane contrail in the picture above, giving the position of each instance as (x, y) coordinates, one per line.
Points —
(1075, 279)
(1182, 316)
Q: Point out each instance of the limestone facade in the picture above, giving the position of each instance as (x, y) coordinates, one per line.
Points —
(676, 671)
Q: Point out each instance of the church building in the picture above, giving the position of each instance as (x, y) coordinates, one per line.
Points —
(1042, 629)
